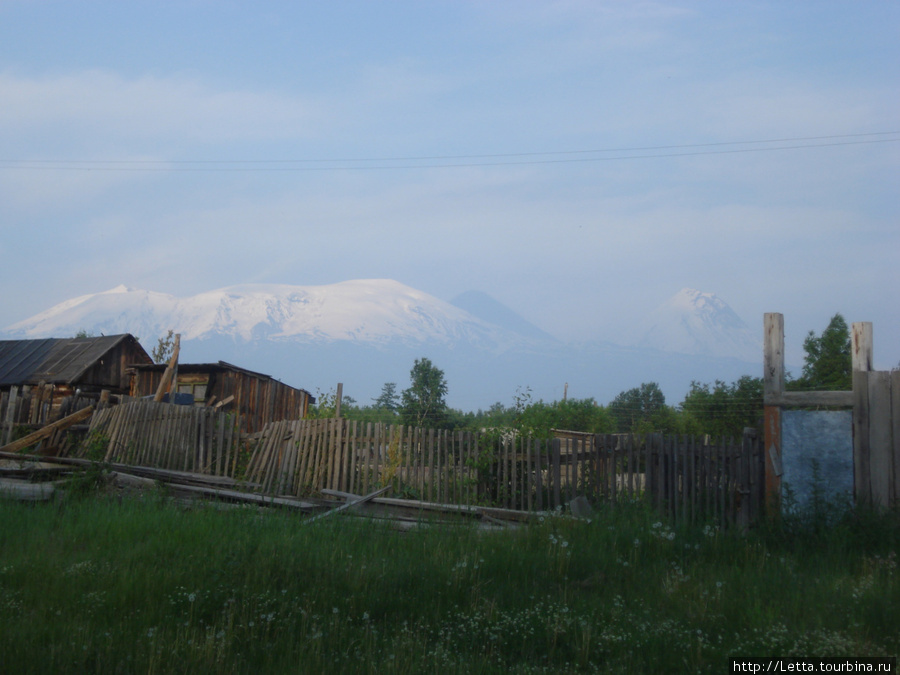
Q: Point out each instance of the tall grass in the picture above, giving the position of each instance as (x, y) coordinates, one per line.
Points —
(98, 585)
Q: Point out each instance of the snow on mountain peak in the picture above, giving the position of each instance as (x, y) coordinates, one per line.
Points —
(695, 322)
(365, 310)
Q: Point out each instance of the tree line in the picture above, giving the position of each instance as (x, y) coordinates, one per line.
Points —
(719, 409)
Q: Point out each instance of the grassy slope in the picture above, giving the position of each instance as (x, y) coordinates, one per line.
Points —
(95, 585)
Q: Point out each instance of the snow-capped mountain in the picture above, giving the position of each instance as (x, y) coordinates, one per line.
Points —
(364, 333)
(692, 322)
(368, 310)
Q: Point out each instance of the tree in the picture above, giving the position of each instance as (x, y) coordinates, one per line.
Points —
(828, 362)
(724, 409)
(388, 399)
(424, 401)
(164, 348)
(634, 410)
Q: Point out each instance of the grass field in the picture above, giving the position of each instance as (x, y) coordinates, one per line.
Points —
(144, 586)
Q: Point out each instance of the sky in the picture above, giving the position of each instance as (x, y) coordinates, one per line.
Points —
(581, 160)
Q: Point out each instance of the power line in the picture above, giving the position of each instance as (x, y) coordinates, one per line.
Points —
(451, 161)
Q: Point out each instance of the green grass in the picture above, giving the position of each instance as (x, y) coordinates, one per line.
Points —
(98, 585)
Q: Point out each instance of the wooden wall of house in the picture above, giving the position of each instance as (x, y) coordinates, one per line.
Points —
(257, 400)
(112, 371)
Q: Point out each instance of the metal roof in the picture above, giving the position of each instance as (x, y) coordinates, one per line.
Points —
(204, 368)
(52, 360)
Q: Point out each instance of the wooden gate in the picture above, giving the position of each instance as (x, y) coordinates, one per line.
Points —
(875, 401)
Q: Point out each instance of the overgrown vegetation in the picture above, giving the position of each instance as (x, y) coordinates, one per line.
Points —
(95, 585)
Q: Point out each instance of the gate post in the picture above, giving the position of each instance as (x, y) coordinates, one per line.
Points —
(773, 399)
(861, 351)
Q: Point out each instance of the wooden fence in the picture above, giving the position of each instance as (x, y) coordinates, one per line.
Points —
(688, 478)
(876, 437)
(184, 438)
(30, 407)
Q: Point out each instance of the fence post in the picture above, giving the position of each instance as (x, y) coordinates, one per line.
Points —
(557, 474)
(861, 356)
(773, 396)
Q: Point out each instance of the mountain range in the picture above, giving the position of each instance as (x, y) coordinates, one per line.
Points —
(366, 332)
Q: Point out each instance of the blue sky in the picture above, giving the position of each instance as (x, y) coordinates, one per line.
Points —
(581, 161)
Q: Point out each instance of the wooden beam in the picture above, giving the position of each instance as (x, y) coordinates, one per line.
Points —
(830, 399)
(354, 500)
(223, 402)
(861, 355)
(11, 412)
(773, 358)
(862, 485)
(773, 399)
(169, 372)
(861, 345)
(338, 397)
(895, 434)
(880, 451)
(48, 430)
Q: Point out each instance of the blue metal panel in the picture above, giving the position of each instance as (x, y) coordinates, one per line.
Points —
(817, 454)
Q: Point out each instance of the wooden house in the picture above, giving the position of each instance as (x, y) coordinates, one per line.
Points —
(256, 398)
(41, 377)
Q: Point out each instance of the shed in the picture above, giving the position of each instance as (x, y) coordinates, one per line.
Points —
(62, 366)
(257, 398)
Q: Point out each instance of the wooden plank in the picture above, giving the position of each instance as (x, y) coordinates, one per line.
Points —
(169, 372)
(431, 466)
(772, 453)
(46, 431)
(407, 452)
(256, 470)
(746, 515)
(513, 479)
(289, 485)
(356, 500)
(353, 482)
(573, 469)
(158, 442)
(113, 419)
(368, 464)
(225, 401)
(832, 399)
(342, 450)
(337, 477)
(556, 474)
(773, 357)
(861, 353)
(862, 486)
(152, 427)
(895, 434)
(302, 456)
(34, 402)
(202, 439)
(11, 403)
(284, 458)
(880, 432)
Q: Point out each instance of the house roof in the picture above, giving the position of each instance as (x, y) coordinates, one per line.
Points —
(203, 368)
(53, 360)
